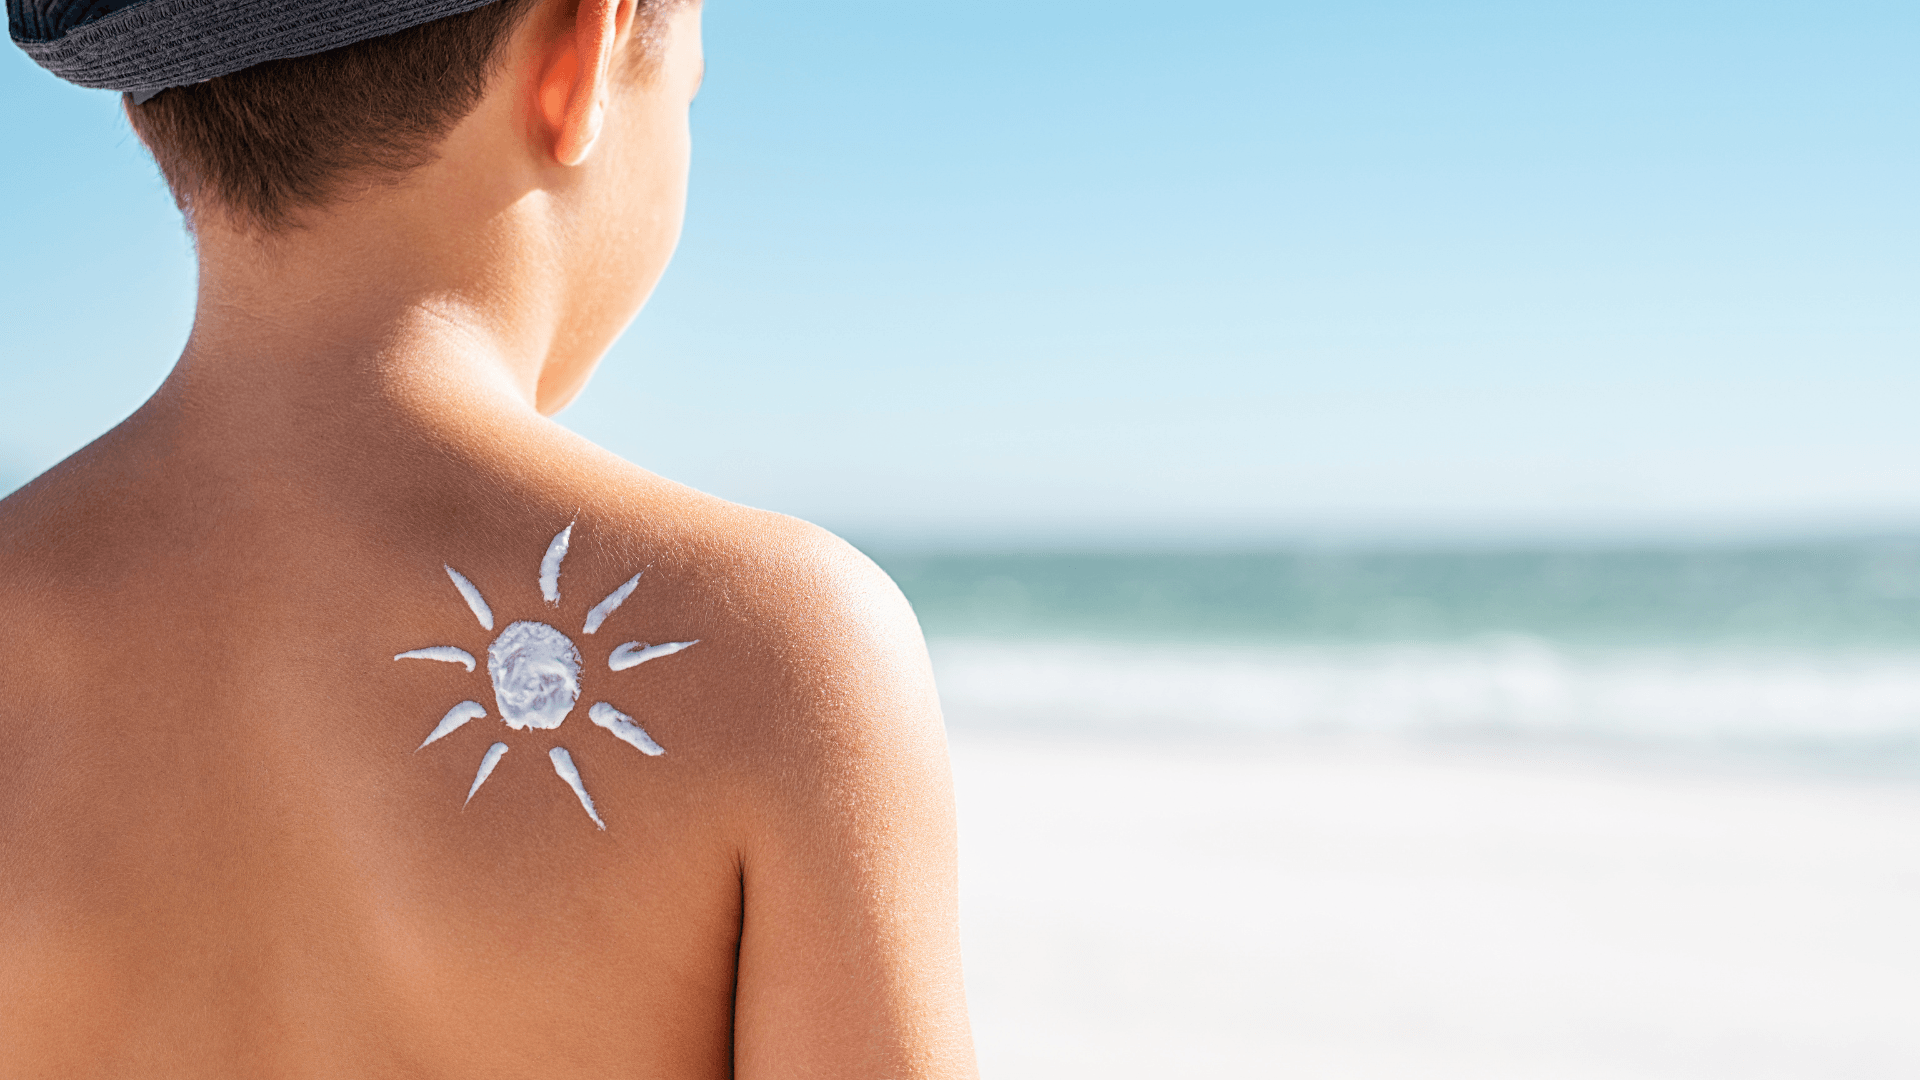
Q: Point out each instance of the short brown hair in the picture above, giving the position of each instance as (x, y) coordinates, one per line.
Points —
(280, 137)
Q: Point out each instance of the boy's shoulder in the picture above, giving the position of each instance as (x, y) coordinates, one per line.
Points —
(802, 640)
(795, 627)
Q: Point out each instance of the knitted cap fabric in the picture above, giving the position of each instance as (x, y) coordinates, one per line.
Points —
(145, 46)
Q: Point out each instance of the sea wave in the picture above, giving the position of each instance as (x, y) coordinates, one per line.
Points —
(1834, 700)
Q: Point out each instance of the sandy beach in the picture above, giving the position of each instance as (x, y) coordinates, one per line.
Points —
(1348, 910)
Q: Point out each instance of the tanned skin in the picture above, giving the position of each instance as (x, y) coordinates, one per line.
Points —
(220, 854)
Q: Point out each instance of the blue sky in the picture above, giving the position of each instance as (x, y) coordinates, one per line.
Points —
(1118, 271)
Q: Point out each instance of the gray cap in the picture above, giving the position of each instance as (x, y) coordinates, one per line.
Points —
(145, 46)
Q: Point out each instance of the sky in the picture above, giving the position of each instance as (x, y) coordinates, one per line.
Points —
(1063, 271)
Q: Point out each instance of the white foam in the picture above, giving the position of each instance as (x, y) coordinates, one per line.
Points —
(455, 719)
(536, 675)
(607, 607)
(1698, 696)
(624, 729)
(563, 764)
(475, 602)
(635, 653)
(444, 653)
(550, 565)
(493, 755)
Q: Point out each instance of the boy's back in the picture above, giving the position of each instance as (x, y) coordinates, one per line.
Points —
(227, 852)
(698, 827)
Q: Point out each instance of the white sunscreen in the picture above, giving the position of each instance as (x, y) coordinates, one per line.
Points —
(475, 601)
(536, 675)
(494, 754)
(635, 653)
(550, 566)
(563, 764)
(452, 722)
(624, 729)
(446, 653)
(607, 607)
(535, 671)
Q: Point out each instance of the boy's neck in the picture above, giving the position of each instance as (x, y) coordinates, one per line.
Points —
(384, 301)
(326, 349)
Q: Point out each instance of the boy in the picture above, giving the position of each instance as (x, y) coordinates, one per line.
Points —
(358, 720)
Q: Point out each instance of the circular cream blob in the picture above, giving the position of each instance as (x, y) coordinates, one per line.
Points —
(536, 675)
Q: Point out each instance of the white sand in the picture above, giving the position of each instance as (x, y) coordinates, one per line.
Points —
(1309, 910)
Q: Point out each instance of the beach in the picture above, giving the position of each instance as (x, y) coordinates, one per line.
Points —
(1215, 905)
(1393, 814)
(1412, 506)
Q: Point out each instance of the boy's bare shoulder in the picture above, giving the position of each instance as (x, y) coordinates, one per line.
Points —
(802, 640)
(53, 544)
(805, 645)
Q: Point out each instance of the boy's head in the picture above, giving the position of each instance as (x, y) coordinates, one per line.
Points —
(517, 168)
(264, 144)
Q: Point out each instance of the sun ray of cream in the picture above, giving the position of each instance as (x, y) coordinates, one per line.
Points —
(635, 653)
(452, 722)
(550, 565)
(563, 764)
(624, 729)
(613, 601)
(445, 653)
(494, 754)
(473, 598)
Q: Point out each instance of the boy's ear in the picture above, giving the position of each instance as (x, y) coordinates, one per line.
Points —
(577, 82)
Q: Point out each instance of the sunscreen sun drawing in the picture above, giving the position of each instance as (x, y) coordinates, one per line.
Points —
(535, 670)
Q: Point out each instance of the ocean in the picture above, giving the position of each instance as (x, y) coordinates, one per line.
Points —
(1604, 812)
(1806, 653)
